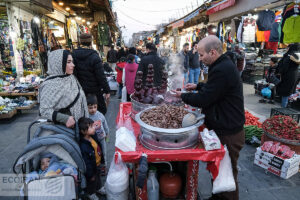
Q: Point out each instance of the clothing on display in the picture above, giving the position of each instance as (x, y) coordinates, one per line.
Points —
(72, 30)
(290, 10)
(265, 20)
(291, 30)
(249, 30)
(104, 37)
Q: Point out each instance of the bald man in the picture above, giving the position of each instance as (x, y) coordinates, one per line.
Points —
(222, 102)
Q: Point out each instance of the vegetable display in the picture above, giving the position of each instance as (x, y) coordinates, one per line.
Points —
(252, 120)
(283, 127)
(251, 131)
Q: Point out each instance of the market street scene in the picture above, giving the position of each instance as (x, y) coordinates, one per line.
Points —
(150, 99)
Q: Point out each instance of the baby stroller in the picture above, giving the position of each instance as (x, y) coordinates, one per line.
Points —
(63, 143)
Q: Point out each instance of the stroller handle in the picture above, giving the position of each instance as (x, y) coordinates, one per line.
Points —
(32, 123)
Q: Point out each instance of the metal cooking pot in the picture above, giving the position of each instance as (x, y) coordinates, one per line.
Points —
(137, 107)
(156, 138)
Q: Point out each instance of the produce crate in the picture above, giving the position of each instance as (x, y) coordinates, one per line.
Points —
(8, 115)
(286, 111)
(293, 147)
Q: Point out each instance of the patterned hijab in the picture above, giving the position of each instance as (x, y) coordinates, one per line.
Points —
(58, 91)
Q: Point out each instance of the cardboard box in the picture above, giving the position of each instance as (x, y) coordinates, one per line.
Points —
(276, 171)
(277, 162)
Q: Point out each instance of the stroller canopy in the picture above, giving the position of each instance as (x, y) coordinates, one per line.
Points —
(50, 129)
(62, 146)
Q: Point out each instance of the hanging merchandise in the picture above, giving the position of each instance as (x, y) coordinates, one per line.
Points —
(240, 31)
(291, 30)
(104, 34)
(265, 20)
(72, 30)
(249, 25)
(274, 36)
(291, 10)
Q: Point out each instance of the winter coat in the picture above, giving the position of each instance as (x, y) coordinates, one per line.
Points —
(158, 66)
(130, 72)
(265, 20)
(194, 60)
(221, 98)
(88, 154)
(112, 56)
(288, 71)
(119, 69)
(89, 71)
(121, 54)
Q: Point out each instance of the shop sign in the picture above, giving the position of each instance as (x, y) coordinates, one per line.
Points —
(192, 15)
(177, 24)
(220, 6)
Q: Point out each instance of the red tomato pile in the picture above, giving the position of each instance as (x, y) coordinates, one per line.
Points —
(252, 120)
(283, 127)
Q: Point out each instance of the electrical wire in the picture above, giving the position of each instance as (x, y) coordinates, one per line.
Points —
(135, 19)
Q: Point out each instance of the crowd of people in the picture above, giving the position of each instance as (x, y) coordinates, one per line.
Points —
(76, 92)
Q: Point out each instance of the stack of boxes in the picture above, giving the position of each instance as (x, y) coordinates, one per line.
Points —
(285, 168)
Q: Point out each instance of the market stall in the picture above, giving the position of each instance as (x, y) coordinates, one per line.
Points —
(190, 156)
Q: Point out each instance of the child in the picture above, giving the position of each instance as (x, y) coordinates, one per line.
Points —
(119, 69)
(271, 72)
(91, 153)
(101, 127)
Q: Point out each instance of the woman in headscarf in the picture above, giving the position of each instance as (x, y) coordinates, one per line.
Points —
(61, 97)
(288, 70)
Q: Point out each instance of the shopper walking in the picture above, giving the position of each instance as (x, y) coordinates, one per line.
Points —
(222, 102)
(194, 69)
(130, 72)
(112, 57)
(61, 97)
(158, 64)
(288, 70)
(184, 58)
(90, 72)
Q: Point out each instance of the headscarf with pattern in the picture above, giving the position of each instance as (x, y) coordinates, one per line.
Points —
(58, 91)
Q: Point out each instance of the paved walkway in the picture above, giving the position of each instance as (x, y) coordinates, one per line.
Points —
(253, 181)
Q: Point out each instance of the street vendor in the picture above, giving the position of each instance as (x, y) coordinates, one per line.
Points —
(222, 102)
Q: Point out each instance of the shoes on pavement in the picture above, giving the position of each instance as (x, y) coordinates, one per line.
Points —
(102, 191)
(262, 101)
(93, 197)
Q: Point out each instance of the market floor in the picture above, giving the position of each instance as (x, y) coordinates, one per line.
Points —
(254, 183)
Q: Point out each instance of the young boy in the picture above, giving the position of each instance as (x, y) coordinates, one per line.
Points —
(271, 72)
(91, 153)
(101, 127)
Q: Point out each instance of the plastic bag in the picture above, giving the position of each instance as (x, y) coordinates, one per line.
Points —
(224, 181)
(117, 182)
(124, 94)
(125, 140)
(266, 92)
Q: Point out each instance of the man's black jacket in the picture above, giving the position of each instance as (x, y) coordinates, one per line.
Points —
(158, 65)
(221, 98)
(89, 71)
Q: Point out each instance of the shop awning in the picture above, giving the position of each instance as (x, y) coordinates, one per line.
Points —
(219, 5)
(42, 7)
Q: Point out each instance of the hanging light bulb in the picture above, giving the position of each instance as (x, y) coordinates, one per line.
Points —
(83, 20)
(61, 3)
(88, 23)
(68, 8)
(78, 18)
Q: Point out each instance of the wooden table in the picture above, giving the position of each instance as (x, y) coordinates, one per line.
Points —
(30, 95)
